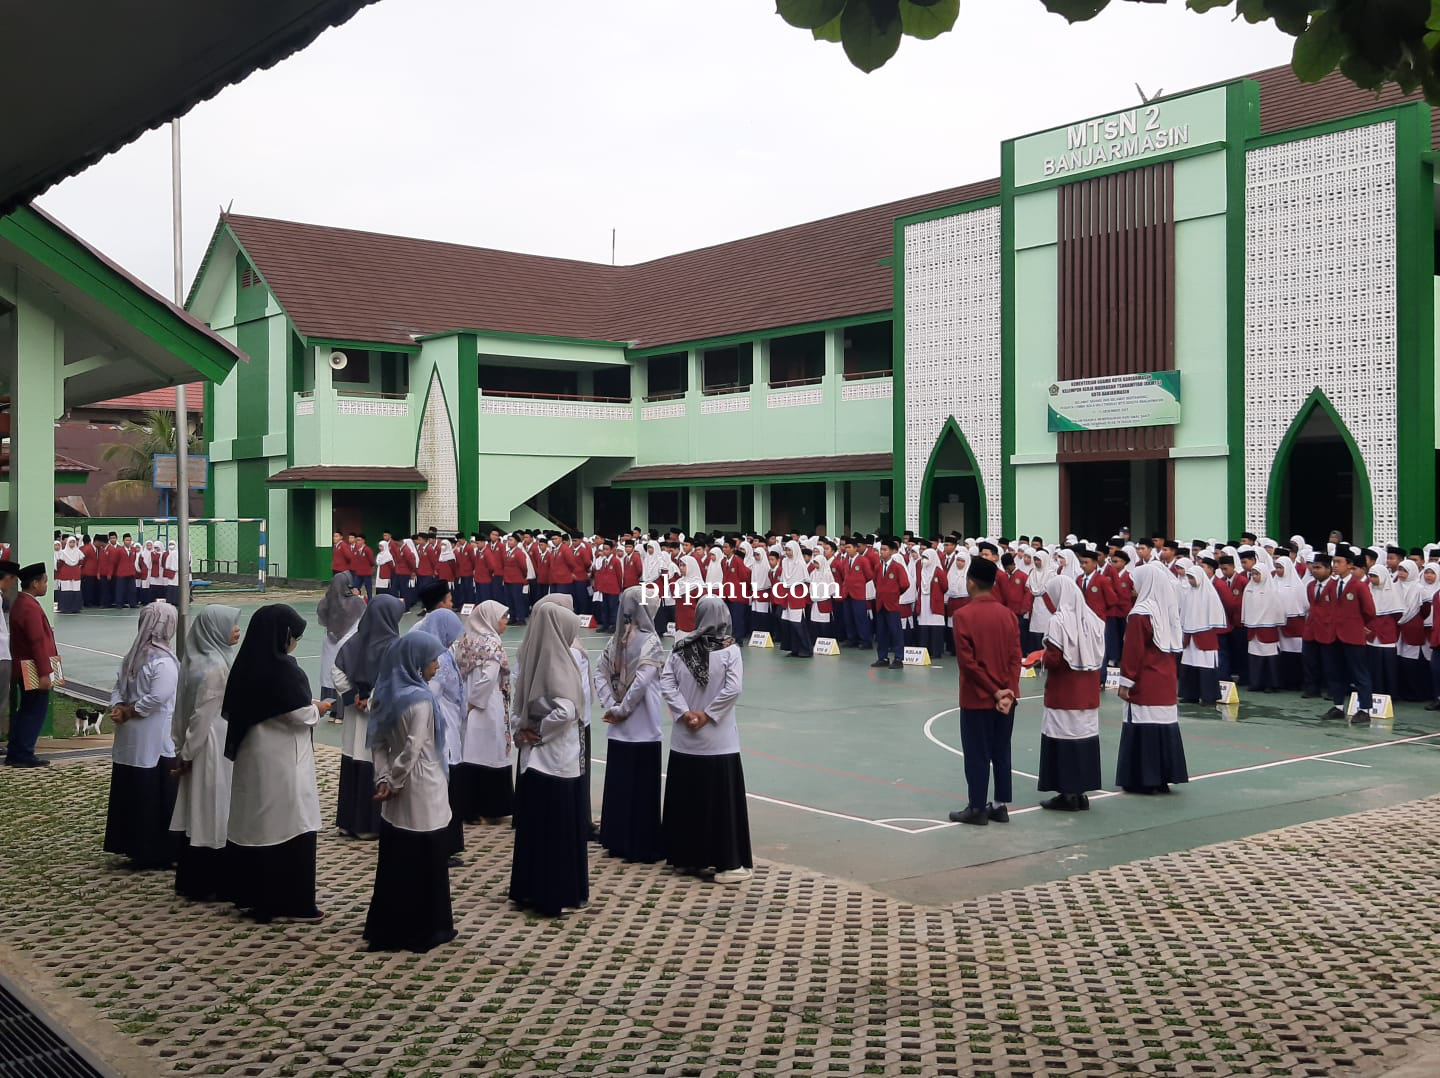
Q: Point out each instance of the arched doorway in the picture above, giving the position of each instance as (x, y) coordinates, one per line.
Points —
(952, 496)
(1318, 481)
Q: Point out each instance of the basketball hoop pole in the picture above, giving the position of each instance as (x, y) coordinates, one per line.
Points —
(182, 413)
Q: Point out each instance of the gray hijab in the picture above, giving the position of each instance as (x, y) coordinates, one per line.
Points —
(360, 658)
(712, 632)
(547, 670)
(340, 609)
(208, 651)
(156, 633)
(635, 643)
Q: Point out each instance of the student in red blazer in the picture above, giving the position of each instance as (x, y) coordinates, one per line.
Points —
(891, 581)
(1349, 663)
(1319, 626)
(855, 586)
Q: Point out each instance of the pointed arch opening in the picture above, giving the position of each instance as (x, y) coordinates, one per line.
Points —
(952, 494)
(437, 505)
(1318, 482)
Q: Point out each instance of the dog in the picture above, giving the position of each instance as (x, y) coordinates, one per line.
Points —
(87, 723)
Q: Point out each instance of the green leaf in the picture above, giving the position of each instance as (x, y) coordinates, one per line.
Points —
(870, 32)
(1318, 49)
(1076, 10)
(829, 32)
(1203, 6)
(928, 20)
(1252, 11)
(809, 14)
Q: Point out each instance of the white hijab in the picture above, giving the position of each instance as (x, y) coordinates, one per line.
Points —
(1263, 606)
(1074, 627)
(1157, 598)
(1200, 606)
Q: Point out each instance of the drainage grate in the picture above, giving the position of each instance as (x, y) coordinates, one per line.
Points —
(31, 1049)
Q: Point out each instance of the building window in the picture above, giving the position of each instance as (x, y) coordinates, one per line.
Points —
(356, 369)
(613, 382)
(726, 370)
(722, 507)
(667, 377)
(665, 510)
(797, 360)
(869, 350)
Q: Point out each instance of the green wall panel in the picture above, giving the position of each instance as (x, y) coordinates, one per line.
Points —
(252, 387)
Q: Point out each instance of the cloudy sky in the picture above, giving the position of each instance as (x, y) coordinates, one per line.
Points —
(681, 123)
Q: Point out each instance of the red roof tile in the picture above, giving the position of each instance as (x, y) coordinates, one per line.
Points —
(321, 474)
(341, 283)
(63, 464)
(156, 400)
(844, 464)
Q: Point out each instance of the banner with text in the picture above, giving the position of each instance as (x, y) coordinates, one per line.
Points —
(1121, 400)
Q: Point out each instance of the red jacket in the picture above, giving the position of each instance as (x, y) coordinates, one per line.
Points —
(429, 560)
(987, 649)
(464, 561)
(1066, 688)
(104, 561)
(1150, 670)
(482, 563)
(402, 559)
(858, 573)
(31, 638)
(362, 560)
(892, 580)
(1099, 592)
(607, 574)
(1231, 593)
(1124, 590)
(1320, 623)
(1354, 611)
(516, 569)
(125, 561)
(340, 558)
(91, 565)
(494, 561)
(634, 567)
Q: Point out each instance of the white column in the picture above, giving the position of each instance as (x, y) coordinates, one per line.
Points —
(640, 509)
(36, 402)
(833, 503)
(762, 507)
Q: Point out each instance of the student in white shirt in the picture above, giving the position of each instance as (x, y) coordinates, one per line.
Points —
(481, 781)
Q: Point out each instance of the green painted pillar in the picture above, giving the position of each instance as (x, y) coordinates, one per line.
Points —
(762, 507)
(830, 393)
(833, 503)
(640, 509)
(38, 395)
(697, 509)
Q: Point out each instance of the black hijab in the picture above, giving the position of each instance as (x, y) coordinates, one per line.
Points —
(265, 681)
(360, 658)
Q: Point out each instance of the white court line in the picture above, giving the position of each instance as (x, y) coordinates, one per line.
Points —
(948, 748)
(1347, 763)
(826, 812)
(1325, 756)
(92, 651)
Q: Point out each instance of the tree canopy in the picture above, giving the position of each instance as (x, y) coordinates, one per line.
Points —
(1373, 43)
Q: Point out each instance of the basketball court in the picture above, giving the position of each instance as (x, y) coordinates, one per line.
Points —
(852, 771)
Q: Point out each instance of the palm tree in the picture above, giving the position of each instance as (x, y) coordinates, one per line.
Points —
(155, 433)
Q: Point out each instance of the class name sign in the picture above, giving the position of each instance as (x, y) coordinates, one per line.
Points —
(1131, 137)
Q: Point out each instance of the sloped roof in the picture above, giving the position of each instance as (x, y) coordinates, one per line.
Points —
(321, 475)
(160, 400)
(733, 469)
(344, 284)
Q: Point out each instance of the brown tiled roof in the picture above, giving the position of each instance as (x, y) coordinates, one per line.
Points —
(731, 469)
(320, 474)
(155, 400)
(63, 464)
(340, 283)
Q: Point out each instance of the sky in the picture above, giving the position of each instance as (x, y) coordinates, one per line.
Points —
(678, 123)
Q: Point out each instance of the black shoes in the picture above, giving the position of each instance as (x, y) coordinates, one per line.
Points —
(1360, 717)
(999, 813)
(896, 664)
(1334, 713)
(880, 664)
(1064, 803)
(1433, 705)
(27, 763)
(977, 816)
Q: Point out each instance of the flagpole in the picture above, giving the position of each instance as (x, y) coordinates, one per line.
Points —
(182, 412)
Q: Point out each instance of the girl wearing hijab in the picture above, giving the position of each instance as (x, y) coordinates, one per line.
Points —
(1294, 604)
(758, 568)
(1430, 579)
(68, 570)
(582, 666)
(794, 633)
(1383, 633)
(410, 907)
(384, 566)
(202, 801)
(172, 572)
(357, 665)
(1413, 664)
(934, 584)
(1262, 612)
(338, 613)
(481, 785)
(1202, 619)
(1152, 754)
(706, 825)
(142, 706)
(1070, 733)
(549, 870)
(449, 697)
(627, 683)
(274, 804)
(1040, 575)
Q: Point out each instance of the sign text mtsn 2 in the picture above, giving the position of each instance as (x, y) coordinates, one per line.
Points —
(1137, 133)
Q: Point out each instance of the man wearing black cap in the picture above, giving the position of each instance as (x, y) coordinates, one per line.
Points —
(9, 592)
(434, 595)
(987, 651)
(34, 665)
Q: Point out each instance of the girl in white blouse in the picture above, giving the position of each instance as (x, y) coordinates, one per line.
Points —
(482, 783)
(706, 823)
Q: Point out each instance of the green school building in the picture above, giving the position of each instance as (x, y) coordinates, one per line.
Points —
(1207, 312)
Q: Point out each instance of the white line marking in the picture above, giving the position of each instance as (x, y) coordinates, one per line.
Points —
(1347, 763)
(1312, 756)
(948, 748)
(92, 651)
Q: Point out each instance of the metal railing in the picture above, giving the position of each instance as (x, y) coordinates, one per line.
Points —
(856, 376)
(792, 382)
(588, 398)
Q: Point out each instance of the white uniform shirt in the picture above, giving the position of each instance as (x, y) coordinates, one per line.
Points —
(143, 740)
(202, 804)
(413, 769)
(273, 796)
(643, 705)
(487, 739)
(718, 698)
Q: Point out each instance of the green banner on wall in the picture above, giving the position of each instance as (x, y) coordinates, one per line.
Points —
(1122, 400)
